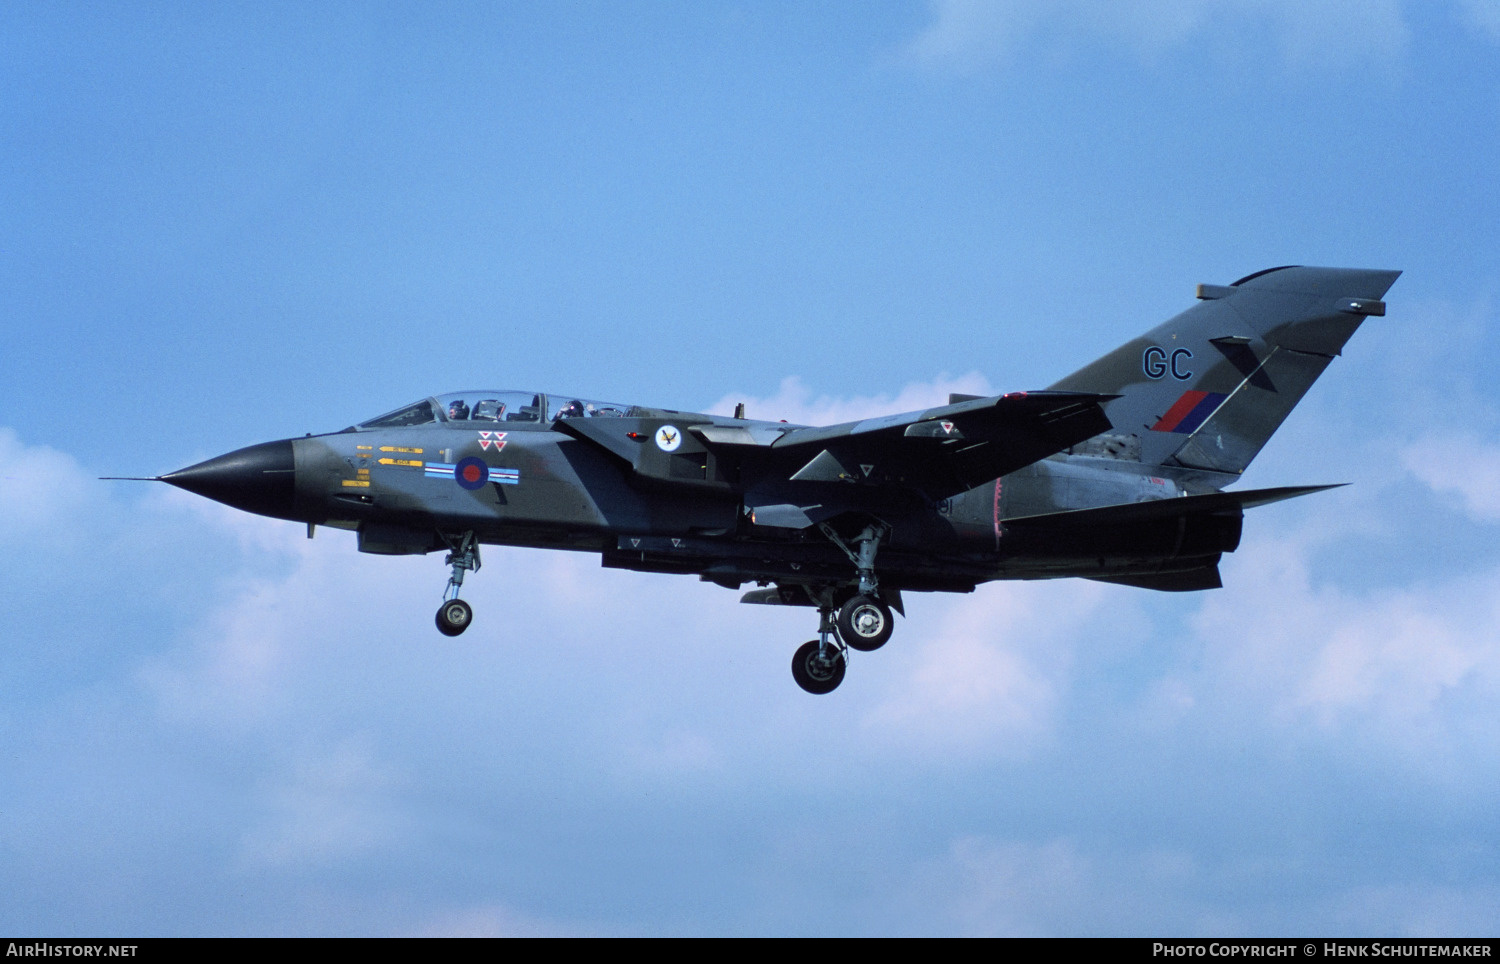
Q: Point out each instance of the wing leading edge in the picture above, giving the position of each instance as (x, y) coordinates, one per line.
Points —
(943, 451)
(932, 454)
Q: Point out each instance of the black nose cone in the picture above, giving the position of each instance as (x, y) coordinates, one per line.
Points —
(260, 479)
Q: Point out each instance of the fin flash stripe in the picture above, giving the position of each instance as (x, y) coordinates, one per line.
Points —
(1189, 412)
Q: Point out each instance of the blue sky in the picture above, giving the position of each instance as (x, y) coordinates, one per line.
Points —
(234, 223)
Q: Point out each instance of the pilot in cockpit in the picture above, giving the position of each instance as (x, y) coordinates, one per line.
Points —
(573, 409)
(458, 411)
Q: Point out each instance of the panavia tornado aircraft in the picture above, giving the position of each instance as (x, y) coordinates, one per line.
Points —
(1116, 473)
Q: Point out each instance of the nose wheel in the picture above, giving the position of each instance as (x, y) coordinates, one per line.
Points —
(455, 615)
(818, 668)
(818, 665)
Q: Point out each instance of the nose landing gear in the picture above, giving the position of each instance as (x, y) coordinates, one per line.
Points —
(818, 665)
(455, 615)
(818, 671)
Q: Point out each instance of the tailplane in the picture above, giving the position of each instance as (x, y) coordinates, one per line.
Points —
(1207, 389)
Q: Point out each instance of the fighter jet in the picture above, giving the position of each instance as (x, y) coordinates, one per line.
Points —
(1117, 473)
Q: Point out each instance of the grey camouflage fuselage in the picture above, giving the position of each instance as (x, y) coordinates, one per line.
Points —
(1117, 472)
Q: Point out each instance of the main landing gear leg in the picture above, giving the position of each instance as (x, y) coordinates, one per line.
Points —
(454, 615)
(864, 621)
(818, 665)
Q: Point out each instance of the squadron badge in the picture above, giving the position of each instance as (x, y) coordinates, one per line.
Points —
(668, 437)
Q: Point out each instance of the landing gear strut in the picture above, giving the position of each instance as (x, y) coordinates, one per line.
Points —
(864, 622)
(454, 615)
(818, 665)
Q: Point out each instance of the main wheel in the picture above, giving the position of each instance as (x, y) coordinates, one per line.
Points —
(453, 617)
(865, 623)
(815, 674)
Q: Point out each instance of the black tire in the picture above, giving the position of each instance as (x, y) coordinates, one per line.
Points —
(812, 673)
(454, 616)
(865, 623)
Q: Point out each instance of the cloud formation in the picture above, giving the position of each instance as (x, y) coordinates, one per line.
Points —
(1401, 671)
(41, 489)
(592, 715)
(1483, 15)
(794, 402)
(1461, 467)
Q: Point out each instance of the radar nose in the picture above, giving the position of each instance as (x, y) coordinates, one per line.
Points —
(260, 479)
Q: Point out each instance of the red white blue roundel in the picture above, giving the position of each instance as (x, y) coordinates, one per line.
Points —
(471, 473)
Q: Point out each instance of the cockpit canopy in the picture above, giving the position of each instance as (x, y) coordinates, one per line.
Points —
(490, 405)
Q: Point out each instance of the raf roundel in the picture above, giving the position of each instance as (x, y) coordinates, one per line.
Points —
(668, 438)
(471, 473)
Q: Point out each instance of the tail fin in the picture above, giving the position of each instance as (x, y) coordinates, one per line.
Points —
(1206, 389)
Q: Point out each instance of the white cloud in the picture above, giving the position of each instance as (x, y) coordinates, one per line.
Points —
(1462, 466)
(986, 674)
(1483, 15)
(242, 660)
(970, 34)
(794, 402)
(1402, 671)
(43, 492)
